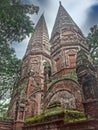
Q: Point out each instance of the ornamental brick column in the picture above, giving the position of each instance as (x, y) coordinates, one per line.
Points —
(88, 80)
(19, 117)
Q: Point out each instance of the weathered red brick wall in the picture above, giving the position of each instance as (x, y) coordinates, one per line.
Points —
(91, 109)
(60, 125)
(83, 125)
(50, 125)
(53, 125)
(5, 125)
(62, 72)
(18, 125)
(63, 86)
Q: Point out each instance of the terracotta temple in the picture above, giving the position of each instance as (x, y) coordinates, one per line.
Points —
(56, 72)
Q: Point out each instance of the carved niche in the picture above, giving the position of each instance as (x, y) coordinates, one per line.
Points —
(66, 99)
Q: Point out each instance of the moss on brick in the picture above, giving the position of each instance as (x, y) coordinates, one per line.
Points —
(35, 119)
(73, 116)
(6, 119)
(71, 76)
(58, 112)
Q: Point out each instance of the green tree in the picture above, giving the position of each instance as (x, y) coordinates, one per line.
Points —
(3, 110)
(15, 25)
(9, 70)
(92, 40)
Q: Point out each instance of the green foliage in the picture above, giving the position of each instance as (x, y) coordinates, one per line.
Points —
(3, 110)
(6, 119)
(9, 70)
(92, 40)
(47, 64)
(15, 24)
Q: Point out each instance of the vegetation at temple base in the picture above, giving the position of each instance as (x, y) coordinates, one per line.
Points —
(57, 113)
(92, 40)
(15, 25)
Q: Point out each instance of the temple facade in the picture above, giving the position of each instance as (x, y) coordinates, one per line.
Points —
(48, 72)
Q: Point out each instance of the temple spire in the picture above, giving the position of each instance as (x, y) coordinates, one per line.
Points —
(39, 38)
(63, 21)
(60, 3)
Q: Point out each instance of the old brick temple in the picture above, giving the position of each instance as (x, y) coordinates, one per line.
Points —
(49, 79)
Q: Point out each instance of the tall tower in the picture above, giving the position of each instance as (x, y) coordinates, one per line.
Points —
(28, 102)
(38, 87)
(66, 40)
(37, 54)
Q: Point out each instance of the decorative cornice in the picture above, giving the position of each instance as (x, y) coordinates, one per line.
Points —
(55, 51)
(37, 53)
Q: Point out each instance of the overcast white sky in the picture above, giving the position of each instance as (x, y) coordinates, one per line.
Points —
(83, 12)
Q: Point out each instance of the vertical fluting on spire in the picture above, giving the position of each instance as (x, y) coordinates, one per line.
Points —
(40, 38)
(63, 21)
(66, 40)
(38, 52)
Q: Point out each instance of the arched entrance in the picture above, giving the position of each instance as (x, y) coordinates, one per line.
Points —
(66, 91)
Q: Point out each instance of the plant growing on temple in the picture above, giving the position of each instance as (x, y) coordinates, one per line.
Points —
(92, 40)
(3, 110)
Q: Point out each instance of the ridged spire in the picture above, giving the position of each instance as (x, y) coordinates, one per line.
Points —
(60, 2)
(39, 38)
(63, 20)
